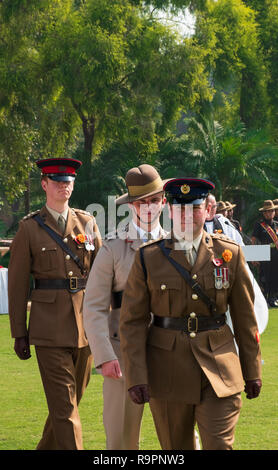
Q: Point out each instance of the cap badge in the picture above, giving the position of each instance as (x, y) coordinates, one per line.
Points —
(185, 189)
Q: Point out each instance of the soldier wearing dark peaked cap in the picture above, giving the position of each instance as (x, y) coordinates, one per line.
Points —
(186, 363)
(56, 246)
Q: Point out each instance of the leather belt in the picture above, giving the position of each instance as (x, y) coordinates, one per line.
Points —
(73, 284)
(191, 323)
(116, 299)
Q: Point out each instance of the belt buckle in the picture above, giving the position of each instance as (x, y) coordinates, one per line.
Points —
(73, 283)
(189, 324)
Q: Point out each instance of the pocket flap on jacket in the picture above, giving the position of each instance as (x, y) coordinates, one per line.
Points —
(174, 283)
(219, 338)
(161, 338)
(41, 295)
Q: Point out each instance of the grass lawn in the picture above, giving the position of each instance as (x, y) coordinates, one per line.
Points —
(24, 410)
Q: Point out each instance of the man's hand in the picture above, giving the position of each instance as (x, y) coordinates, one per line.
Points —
(111, 369)
(22, 348)
(252, 388)
(139, 394)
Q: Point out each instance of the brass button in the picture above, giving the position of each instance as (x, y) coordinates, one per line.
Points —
(195, 297)
(67, 256)
(194, 276)
(163, 286)
(65, 240)
(193, 315)
(70, 273)
(43, 249)
(192, 335)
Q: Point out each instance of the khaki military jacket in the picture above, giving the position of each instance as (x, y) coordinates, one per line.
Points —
(171, 361)
(108, 274)
(56, 315)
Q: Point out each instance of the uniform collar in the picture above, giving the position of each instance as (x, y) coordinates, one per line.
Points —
(50, 220)
(132, 236)
(186, 245)
(154, 233)
(204, 254)
(56, 214)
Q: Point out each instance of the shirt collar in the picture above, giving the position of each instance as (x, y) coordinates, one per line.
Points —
(186, 245)
(154, 233)
(56, 214)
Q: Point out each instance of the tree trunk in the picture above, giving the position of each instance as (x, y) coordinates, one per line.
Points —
(27, 197)
(88, 126)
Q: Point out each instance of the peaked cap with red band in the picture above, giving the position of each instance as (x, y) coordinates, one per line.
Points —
(187, 190)
(59, 169)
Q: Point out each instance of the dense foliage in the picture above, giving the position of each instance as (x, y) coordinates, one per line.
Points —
(114, 83)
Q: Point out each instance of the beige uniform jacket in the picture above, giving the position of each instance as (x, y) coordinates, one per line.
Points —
(171, 361)
(56, 315)
(108, 274)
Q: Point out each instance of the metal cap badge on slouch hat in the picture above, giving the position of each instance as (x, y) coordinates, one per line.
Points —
(187, 190)
(142, 181)
(59, 169)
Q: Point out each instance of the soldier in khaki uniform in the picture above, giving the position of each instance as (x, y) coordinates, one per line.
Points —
(186, 363)
(55, 324)
(107, 279)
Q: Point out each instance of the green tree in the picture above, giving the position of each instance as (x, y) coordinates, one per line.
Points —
(239, 162)
(125, 74)
(235, 60)
(22, 130)
(267, 18)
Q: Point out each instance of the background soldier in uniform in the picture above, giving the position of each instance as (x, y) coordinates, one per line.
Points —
(55, 325)
(275, 202)
(230, 215)
(122, 418)
(222, 208)
(266, 232)
(186, 363)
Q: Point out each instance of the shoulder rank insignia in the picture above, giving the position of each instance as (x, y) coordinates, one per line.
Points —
(31, 214)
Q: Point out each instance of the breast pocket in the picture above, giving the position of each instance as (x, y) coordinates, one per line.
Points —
(46, 258)
(219, 295)
(166, 296)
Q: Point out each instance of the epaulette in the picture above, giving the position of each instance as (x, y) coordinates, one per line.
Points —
(111, 235)
(82, 212)
(225, 238)
(121, 233)
(31, 214)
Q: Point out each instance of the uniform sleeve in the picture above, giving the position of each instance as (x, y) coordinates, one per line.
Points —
(134, 322)
(93, 232)
(97, 306)
(98, 239)
(241, 303)
(256, 231)
(19, 281)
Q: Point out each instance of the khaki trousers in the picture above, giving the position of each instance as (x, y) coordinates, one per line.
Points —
(216, 419)
(65, 373)
(121, 417)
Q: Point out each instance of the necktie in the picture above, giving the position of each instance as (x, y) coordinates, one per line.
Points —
(147, 236)
(61, 224)
(190, 256)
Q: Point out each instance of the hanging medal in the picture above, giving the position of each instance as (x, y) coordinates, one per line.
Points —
(218, 278)
(89, 243)
(226, 283)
